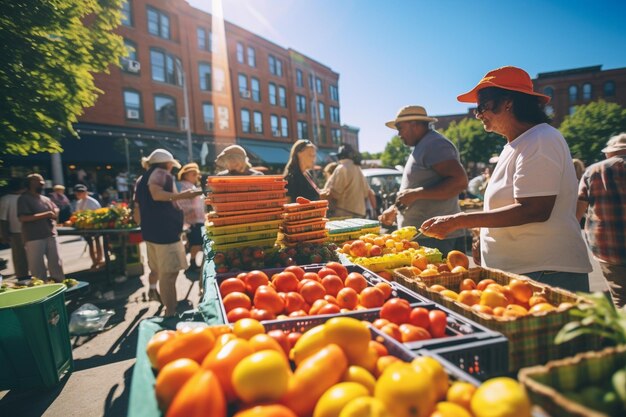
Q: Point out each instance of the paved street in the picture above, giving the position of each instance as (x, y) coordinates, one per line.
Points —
(100, 383)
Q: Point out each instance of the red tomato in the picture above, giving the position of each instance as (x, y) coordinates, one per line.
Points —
(438, 322)
(419, 318)
(292, 338)
(396, 311)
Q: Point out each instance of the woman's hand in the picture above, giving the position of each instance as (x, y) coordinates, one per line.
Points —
(439, 227)
(388, 216)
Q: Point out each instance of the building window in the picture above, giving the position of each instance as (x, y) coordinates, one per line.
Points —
(284, 126)
(282, 96)
(303, 130)
(549, 91)
(336, 136)
(275, 66)
(587, 91)
(208, 116)
(251, 57)
(132, 105)
(165, 111)
(274, 125)
(164, 67)
(272, 93)
(311, 82)
(255, 86)
(609, 89)
(130, 62)
(299, 80)
(334, 114)
(318, 85)
(240, 52)
(300, 103)
(219, 81)
(243, 86)
(245, 121)
(573, 93)
(204, 73)
(334, 92)
(320, 134)
(258, 122)
(158, 23)
(127, 13)
(572, 109)
(131, 49)
(322, 110)
(201, 34)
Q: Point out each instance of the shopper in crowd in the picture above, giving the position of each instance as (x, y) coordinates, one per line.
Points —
(38, 215)
(161, 223)
(59, 198)
(121, 184)
(11, 228)
(579, 168)
(602, 195)
(478, 184)
(328, 172)
(347, 186)
(299, 180)
(432, 179)
(86, 202)
(193, 211)
(234, 161)
(529, 223)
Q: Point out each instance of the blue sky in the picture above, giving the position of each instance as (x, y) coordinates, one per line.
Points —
(390, 53)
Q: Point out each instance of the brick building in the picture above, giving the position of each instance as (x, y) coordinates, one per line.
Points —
(569, 88)
(190, 78)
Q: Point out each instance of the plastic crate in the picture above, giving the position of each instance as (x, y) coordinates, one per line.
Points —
(305, 226)
(213, 220)
(225, 187)
(264, 243)
(35, 349)
(242, 228)
(297, 207)
(302, 237)
(247, 205)
(249, 196)
(304, 215)
(245, 236)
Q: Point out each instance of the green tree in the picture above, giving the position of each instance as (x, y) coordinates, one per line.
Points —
(51, 50)
(473, 142)
(395, 153)
(369, 155)
(590, 126)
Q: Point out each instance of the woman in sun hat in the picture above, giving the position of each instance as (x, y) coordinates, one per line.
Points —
(234, 161)
(529, 223)
(193, 210)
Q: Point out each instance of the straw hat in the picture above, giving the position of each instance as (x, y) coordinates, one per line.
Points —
(159, 156)
(191, 167)
(409, 113)
(58, 187)
(507, 78)
(616, 144)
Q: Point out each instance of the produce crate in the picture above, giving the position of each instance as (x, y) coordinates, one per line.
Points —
(372, 279)
(35, 349)
(309, 225)
(245, 236)
(546, 384)
(239, 218)
(249, 196)
(242, 228)
(531, 338)
(247, 205)
(313, 205)
(263, 243)
(225, 187)
(297, 216)
(396, 260)
(303, 237)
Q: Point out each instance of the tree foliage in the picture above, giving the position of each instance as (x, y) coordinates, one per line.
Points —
(369, 155)
(395, 153)
(590, 126)
(50, 51)
(473, 142)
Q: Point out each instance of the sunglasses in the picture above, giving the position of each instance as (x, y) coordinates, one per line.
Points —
(303, 144)
(483, 107)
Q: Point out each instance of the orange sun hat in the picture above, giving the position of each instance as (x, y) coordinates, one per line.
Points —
(508, 78)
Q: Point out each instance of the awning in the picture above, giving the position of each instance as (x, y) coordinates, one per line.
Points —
(267, 152)
(324, 156)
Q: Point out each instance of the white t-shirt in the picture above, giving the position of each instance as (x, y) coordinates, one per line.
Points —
(537, 163)
(88, 203)
(8, 212)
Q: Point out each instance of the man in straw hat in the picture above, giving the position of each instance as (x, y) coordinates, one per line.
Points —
(433, 176)
(602, 195)
(161, 225)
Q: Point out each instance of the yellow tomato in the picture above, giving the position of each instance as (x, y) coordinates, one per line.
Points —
(262, 376)
(309, 343)
(461, 393)
(351, 335)
(405, 391)
(246, 328)
(365, 407)
(500, 397)
(438, 375)
(338, 396)
(446, 409)
(362, 376)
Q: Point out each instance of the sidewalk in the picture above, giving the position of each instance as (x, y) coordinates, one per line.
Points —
(103, 362)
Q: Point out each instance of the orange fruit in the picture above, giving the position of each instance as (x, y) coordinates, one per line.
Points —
(493, 298)
(171, 379)
(194, 345)
(356, 281)
(371, 297)
(285, 281)
(238, 313)
(437, 288)
(521, 290)
(458, 269)
(380, 349)
(312, 276)
(499, 311)
(260, 315)
(392, 330)
(461, 393)
(329, 308)
(483, 284)
(254, 279)
(156, 342)
(312, 291)
(468, 297)
(270, 410)
(536, 299)
(296, 270)
(396, 311)
(232, 285)
(514, 310)
(339, 269)
(347, 298)
(385, 288)
(293, 302)
(482, 309)
(384, 362)
(332, 283)
(379, 323)
(268, 299)
(429, 272)
(411, 333)
(236, 299)
(420, 261)
(317, 306)
(457, 258)
(467, 284)
(449, 294)
(541, 308)
(386, 275)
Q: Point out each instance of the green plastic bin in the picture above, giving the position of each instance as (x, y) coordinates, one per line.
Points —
(35, 349)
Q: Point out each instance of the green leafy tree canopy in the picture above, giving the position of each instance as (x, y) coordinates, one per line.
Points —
(395, 153)
(473, 142)
(51, 49)
(590, 126)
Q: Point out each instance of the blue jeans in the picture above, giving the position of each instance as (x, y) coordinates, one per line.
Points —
(444, 246)
(570, 281)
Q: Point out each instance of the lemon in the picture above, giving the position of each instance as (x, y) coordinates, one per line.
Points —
(246, 328)
(447, 409)
(365, 407)
(337, 397)
(461, 393)
(406, 391)
(360, 375)
(262, 376)
(500, 397)
(438, 376)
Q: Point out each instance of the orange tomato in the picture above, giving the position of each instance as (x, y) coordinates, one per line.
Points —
(254, 279)
(347, 298)
(312, 291)
(396, 311)
(156, 342)
(356, 281)
(536, 299)
(260, 315)
(325, 272)
(339, 269)
(385, 288)
(484, 283)
(392, 330)
(329, 309)
(316, 306)
(386, 275)
(232, 285)
(200, 396)
(371, 297)
(281, 338)
(268, 299)
(419, 317)
(522, 290)
(236, 299)
(292, 338)
(223, 361)
(194, 345)
(238, 313)
(285, 281)
(332, 283)
(293, 302)
(467, 284)
(270, 410)
(379, 323)
(296, 270)
(261, 342)
(438, 323)
(420, 261)
(437, 288)
(172, 378)
(380, 349)
(412, 333)
(312, 276)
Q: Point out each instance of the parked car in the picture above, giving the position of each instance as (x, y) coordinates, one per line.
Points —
(385, 182)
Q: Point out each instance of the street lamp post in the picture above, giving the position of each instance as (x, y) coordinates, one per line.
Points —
(183, 81)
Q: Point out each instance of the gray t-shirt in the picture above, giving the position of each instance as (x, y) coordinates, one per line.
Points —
(432, 149)
(29, 204)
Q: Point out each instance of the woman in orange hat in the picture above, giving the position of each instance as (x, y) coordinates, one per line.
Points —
(529, 224)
